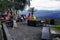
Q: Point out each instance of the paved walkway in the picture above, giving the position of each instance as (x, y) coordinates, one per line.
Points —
(24, 32)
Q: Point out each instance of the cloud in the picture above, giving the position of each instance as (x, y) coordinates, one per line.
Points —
(45, 4)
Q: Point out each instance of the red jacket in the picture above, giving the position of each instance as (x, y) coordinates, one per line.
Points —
(29, 17)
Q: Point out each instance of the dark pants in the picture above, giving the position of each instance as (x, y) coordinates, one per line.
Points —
(9, 23)
(28, 22)
(31, 23)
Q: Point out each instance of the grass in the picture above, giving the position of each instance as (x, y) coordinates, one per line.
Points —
(56, 25)
(56, 28)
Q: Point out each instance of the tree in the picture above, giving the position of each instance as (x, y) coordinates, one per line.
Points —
(21, 5)
(4, 5)
(17, 4)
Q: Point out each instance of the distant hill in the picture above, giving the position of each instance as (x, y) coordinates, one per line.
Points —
(53, 14)
(48, 14)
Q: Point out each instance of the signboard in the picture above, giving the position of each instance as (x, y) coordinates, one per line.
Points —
(45, 33)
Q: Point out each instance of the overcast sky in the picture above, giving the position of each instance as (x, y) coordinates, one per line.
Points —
(46, 4)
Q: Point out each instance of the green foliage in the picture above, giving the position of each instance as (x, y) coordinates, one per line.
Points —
(57, 21)
(5, 5)
(56, 29)
(20, 6)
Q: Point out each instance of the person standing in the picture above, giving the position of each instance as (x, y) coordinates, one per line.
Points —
(29, 19)
(11, 20)
(14, 20)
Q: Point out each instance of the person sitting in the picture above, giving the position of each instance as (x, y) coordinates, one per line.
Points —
(34, 18)
(29, 17)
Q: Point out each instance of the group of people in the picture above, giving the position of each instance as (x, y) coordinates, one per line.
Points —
(46, 22)
(12, 18)
(31, 17)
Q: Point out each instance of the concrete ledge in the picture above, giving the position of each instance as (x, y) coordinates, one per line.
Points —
(8, 36)
(55, 34)
(1, 33)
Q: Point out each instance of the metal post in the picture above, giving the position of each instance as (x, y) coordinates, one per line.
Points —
(32, 11)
